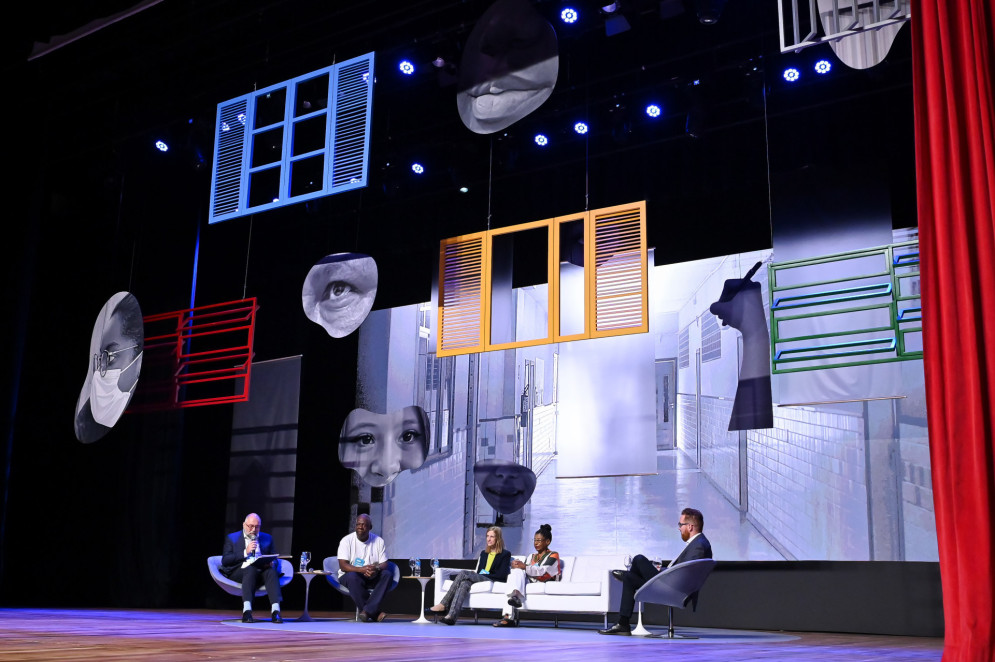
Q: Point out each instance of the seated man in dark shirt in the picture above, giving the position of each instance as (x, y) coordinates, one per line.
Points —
(698, 547)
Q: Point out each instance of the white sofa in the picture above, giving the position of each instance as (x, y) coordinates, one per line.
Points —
(585, 587)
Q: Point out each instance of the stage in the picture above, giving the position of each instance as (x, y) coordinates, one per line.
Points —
(64, 634)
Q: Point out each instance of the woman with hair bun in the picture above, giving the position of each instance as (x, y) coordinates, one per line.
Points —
(543, 566)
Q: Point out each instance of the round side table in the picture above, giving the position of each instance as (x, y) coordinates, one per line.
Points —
(308, 576)
(424, 582)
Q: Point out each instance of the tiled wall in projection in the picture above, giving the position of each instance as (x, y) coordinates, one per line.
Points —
(830, 480)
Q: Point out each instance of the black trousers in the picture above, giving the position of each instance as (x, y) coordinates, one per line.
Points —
(249, 578)
(368, 593)
(642, 571)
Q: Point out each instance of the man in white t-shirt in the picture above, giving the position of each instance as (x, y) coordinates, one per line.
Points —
(363, 565)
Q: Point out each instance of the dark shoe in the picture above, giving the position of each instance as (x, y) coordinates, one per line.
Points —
(515, 602)
(617, 629)
(506, 623)
(618, 574)
(277, 618)
(364, 617)
(448, 621)
(247, 617)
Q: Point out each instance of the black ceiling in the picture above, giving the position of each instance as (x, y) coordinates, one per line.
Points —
(708, 167)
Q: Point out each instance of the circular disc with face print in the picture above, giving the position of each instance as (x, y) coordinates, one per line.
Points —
(339, 291)
(113, 365)
(509, 67)
(506, 486)
(380, 446)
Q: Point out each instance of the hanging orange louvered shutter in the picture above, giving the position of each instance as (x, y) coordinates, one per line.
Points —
(461, 295)
(618, 279)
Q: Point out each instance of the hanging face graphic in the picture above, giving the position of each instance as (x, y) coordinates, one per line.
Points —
(114, 363)
(506, 486)
(339, 291)
(380, 446)
(509, 67)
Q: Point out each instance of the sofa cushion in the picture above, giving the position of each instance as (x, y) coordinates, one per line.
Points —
(538, 588)
(572, 588)
(484, 587)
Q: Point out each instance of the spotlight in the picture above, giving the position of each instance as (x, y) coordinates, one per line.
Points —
(463, 189)
(406, 68)
(791, 74)
(823, 67)
(568, 15)
(541, 140)
(580, 128)
(709, 11)
(439, 62)
(161, 146)
(417, 168)
(653, 110)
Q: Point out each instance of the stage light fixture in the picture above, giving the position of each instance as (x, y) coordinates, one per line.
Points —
(823, 66)
(161, 146)
(580, 128)
(569, 15)
(653, 110)
(709, 11)
(406, 68)
(463, 189)
(439, 62)
(791, 74)
(417, 168)
(541, 140)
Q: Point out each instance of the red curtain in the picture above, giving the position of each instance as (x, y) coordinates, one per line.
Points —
(953, 58)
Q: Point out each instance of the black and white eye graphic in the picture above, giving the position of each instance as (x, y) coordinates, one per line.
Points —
(339, 291)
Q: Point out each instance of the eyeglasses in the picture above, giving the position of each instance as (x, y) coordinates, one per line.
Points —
(101, 360)
(683, 524)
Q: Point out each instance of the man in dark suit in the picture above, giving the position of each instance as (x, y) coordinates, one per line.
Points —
(241, 547)
(642, 570)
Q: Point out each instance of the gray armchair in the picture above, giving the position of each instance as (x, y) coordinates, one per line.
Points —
(234, 588)
(674, 587)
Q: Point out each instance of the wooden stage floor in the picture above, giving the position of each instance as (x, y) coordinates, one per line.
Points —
(55, 635)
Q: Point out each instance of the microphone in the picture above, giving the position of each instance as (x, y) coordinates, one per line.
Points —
(255, 552)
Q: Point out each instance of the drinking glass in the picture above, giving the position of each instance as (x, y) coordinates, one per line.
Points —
(415, 564)
(305, 560)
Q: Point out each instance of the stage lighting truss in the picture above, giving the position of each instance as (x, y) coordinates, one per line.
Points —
(842, 19)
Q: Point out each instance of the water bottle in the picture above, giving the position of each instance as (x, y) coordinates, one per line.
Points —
(435, 566)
